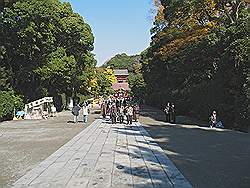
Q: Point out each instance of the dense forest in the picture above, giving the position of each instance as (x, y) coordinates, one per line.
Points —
(46, 50)
(198, 59)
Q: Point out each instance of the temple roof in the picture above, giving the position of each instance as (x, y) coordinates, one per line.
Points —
(121, 72)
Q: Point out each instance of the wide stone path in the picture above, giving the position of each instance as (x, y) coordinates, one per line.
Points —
(107, 155)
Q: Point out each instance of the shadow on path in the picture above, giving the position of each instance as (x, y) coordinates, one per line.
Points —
(159, 115)
(206, 157)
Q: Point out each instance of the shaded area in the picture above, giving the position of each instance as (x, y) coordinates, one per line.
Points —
(159, 115)
(206, 157)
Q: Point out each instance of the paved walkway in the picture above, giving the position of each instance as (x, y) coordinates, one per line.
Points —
(105, 155)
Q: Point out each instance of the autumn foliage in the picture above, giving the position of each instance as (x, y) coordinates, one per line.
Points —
(198, 59)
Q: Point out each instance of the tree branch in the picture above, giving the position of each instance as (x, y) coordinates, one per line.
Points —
(237, 11)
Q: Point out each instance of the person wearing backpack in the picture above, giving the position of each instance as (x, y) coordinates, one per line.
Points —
(75, 112)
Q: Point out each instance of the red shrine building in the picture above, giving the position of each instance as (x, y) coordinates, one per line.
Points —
(121, 88)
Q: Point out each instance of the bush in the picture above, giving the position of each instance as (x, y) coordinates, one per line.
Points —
(8, 102)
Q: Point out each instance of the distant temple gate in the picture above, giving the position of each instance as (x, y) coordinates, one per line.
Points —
(121, 88)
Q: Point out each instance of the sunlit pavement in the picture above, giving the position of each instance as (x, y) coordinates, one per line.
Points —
(107, 155)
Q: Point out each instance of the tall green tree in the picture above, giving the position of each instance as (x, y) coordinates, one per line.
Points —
(122, 61)
(198, 58)
(35, 34)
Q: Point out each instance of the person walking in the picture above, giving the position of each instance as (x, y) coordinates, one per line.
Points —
(173, 116)
(75, 112)
(109, 106)
(121, 113)
(113, 113)
(104, 109)
(130, 114)
(126, 113)
(134, 115)
(167, 112)
(85, 112)
(136, 112)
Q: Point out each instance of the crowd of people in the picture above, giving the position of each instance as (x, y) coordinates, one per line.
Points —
(123, 111)
(119, 111)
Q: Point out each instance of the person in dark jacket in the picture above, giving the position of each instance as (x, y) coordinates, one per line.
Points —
(104, 109)
(75, 112)
(214, 120)
(113, 114)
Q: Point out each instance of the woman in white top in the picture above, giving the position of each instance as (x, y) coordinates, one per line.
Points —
(85, 113)
(130, 114)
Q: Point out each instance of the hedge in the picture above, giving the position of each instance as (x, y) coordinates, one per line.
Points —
(9, 101)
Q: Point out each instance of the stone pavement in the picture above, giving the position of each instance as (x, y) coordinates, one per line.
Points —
(106, 155)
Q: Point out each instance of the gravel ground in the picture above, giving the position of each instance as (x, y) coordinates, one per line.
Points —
(208, 158)
(25, 143)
